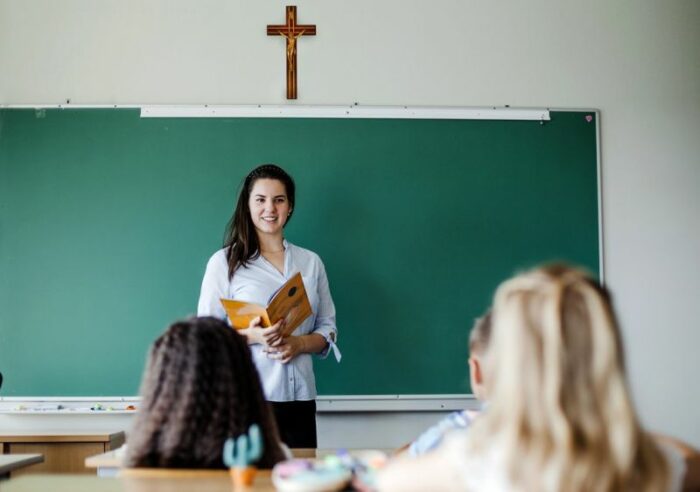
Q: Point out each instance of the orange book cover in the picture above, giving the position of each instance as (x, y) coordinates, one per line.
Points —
(289, 302)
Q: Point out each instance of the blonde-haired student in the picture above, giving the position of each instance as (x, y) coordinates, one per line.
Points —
(560, 415)
(478, 343)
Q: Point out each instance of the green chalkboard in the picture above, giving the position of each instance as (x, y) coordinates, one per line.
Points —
(107, 221)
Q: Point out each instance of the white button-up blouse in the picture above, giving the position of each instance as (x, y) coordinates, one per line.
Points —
(258, 282)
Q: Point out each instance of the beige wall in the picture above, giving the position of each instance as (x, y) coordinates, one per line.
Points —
(636, 61)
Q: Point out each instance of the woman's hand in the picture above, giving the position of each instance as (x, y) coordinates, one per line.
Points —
(270, 336)
(288, 348)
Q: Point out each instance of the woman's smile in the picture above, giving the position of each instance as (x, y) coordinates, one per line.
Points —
(269, 206)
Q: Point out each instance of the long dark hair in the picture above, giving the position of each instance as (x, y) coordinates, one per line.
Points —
(199, 388)
(240, 239)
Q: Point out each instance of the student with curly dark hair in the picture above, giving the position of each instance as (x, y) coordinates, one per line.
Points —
(199, 388)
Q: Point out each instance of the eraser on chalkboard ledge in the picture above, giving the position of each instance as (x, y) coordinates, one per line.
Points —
(48, 408)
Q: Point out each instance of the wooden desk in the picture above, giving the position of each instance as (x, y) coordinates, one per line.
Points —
(209, 481)
(63, 452)
(108, 464)
(11, 462)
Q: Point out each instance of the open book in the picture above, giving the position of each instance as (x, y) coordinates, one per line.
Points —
(289, 302)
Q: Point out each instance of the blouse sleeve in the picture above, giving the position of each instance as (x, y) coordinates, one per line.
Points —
(214, 287)
(325, 319)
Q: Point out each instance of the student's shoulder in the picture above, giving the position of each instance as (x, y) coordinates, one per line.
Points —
(676, 463)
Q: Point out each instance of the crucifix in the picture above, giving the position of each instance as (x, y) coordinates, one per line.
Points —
(291, 31)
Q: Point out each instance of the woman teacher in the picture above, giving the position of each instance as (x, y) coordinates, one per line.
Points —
(253, 264)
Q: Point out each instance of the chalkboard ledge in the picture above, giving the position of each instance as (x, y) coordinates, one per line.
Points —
(47, 405)
(394, 403)
(324, 404)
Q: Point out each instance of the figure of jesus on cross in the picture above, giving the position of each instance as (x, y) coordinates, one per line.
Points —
(292, 31)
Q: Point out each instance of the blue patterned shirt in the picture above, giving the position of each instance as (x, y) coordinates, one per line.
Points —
(431, 438)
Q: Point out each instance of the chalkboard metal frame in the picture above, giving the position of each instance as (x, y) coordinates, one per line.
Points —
(355, 111)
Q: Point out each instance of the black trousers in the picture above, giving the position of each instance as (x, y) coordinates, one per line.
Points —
(296, 421)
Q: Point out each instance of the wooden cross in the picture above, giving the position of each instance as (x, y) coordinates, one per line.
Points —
(292, 31)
